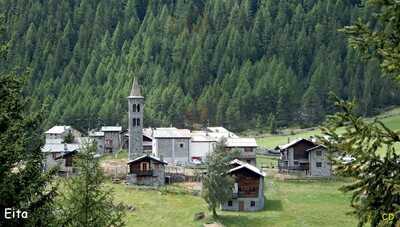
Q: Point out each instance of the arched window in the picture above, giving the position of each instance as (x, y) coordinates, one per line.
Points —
(137, 122)
(134, 108)
(134, 122)
(138, 107)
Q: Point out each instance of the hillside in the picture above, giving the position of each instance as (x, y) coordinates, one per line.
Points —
(241, 64)
(390, 118)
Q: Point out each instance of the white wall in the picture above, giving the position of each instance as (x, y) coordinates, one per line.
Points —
(200, 149)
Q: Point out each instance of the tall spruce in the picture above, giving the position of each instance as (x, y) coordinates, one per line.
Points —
(86, 200)
(372, 144)
(23, 185)
(217, 184)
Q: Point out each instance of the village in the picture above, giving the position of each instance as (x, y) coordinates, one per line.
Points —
(160, 156)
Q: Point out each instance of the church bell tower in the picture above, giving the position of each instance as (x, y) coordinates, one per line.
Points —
(135, 114)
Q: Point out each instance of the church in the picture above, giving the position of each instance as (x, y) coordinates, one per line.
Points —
(178, 146)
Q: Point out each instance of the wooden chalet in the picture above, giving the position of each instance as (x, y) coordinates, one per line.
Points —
(305, 156)
(248, 193)
(146, 170)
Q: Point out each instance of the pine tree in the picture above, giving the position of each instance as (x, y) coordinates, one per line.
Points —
(23, 185)
(86, 200)
(217, 185)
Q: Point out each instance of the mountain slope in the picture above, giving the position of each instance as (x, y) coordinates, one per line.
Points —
(240, 64)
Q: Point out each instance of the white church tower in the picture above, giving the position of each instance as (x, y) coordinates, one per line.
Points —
(135, 115)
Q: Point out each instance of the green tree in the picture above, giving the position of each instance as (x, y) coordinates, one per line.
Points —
(23, 185)
(376, 191)
(86, 200)
(217, 185)
(69, 138)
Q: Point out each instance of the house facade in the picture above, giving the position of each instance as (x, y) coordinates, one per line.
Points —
(57, 134)
(172, 145)
(146, 170)
(305, 156)
(112, 139)
(248, 193)
(55, 156)
(246, 147)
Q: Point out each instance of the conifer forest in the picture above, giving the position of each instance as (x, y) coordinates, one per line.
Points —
(237, 63)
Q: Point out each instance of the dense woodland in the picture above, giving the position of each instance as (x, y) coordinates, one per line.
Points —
(237, 63)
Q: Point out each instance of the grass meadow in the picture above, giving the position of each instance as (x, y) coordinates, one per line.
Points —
(294, 203)
(288, 203)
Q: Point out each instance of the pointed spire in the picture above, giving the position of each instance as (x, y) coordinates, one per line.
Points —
(135, 88)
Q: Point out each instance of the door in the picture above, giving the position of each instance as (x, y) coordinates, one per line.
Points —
(241, 205)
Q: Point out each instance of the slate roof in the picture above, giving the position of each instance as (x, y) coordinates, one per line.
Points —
(148, 156)
(202, 136)
(60, 147)
(318, 146)
(111, 128)
(247, 166)
(171, 133)
(58, 129)
(294, 142)
(241, 142)
(96, 134)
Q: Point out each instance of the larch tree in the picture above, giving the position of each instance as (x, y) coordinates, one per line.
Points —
(217, 184)
(372, 144)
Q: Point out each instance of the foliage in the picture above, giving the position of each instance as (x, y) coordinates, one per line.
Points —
(69, 138)
(379, 38)
(23, 185)
(222, 62)
(86, 201)
(376, 190)
(217, 184)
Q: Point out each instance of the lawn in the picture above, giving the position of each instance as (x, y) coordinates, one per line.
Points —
(288, 203)
(390, 118)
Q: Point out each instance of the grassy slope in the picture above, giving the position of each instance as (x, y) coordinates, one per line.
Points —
(288, 203)
(390, 118)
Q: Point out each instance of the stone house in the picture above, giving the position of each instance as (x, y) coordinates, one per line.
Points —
(248, 192)
(172, 145)
(146, 170)
(66, 163)
(57, 133)
(306, 156)
(53, 152)
(112, 139)
(246, 146)
(98, 137)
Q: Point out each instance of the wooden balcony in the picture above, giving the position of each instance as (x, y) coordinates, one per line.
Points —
(283, 166)
(141, 173)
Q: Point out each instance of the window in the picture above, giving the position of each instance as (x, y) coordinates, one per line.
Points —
(296, 163)
(230, 203)
(138, 108)
(248, 149)
(181, 145)
(144, 166)
(252, 203)
(137, 122)
(248, 161)
(319, 153)
(134, 122)
(319, 164)
(68, 161)
(55, 155)
(134, 108)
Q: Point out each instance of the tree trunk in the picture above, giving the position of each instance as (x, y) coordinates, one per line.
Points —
(214, 213)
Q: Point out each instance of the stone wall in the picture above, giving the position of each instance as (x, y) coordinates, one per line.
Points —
(326, 169)
(259, 201)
